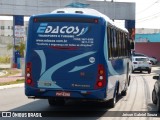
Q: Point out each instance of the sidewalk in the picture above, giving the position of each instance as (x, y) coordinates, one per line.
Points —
(11, 78)
(5, 66)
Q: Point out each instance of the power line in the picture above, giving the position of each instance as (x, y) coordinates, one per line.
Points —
(148, 7)
(149, 17)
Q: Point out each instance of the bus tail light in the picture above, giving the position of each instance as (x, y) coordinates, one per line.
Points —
(35, 20)
(28, 74)
(96, 20)
(99, 84)
(28, 81)
(101, 77)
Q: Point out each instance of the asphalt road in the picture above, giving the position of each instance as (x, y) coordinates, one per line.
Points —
(138, 98)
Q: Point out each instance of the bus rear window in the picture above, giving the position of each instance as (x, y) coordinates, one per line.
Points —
(80, 20)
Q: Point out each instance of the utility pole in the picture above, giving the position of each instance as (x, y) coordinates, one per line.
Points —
(114, 11)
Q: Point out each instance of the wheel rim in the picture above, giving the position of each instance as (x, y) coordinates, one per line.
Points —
(115, 100)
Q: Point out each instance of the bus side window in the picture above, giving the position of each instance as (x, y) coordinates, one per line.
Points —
(118, 52)
(112, 41)
(127, 45)
(118, 42)
(115, 43)
(123, 43)
(109, 41)
(122, 54)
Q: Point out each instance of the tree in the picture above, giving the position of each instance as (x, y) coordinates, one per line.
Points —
(20, 47)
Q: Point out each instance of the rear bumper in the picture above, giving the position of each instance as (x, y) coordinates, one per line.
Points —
(99, 94)
(142, 69)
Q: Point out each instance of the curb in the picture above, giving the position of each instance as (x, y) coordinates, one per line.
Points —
(12, 86)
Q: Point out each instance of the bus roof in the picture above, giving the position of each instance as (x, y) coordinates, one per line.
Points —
(87, 11)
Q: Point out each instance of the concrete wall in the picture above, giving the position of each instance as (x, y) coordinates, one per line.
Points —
(150, 49)
(114, 10)
(147, 31)
(154, 37)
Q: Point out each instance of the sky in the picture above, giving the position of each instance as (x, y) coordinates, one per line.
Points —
(147, 13)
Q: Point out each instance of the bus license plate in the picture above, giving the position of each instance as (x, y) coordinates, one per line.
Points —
(63, 94)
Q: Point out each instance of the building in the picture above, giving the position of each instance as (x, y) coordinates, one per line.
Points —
(6, 27)
(147, 41)
(6, 36)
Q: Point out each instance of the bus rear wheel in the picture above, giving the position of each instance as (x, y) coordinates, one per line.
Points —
(124, 93)
(129, 80)
(56, 102)
(112, 102)
(154, 97)
(149, 71)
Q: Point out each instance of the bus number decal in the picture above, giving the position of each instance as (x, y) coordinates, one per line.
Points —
(91, 59)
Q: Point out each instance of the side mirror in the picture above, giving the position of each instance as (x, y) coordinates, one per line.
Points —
(156, 77)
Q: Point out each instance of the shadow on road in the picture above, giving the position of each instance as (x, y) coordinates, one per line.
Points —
(71, 109)
(89, 110)
(86, 109)
(152, 109)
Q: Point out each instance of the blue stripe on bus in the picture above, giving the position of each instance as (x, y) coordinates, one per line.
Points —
(47, 74)
(77, 68)
(83, 31)
(43, 60)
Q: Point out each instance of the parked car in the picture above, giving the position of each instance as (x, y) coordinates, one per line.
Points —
(156, 92)
(140, 63)
(153, 60)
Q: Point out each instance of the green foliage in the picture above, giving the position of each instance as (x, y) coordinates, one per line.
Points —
(5, 59)
(20, 47)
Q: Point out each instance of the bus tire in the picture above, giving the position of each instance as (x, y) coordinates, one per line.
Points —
(149, 71)
(152, 62)
(129, 80)
(154, 97)
(112, 102)
(56, 102)
(158, 105)
(124, 93)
